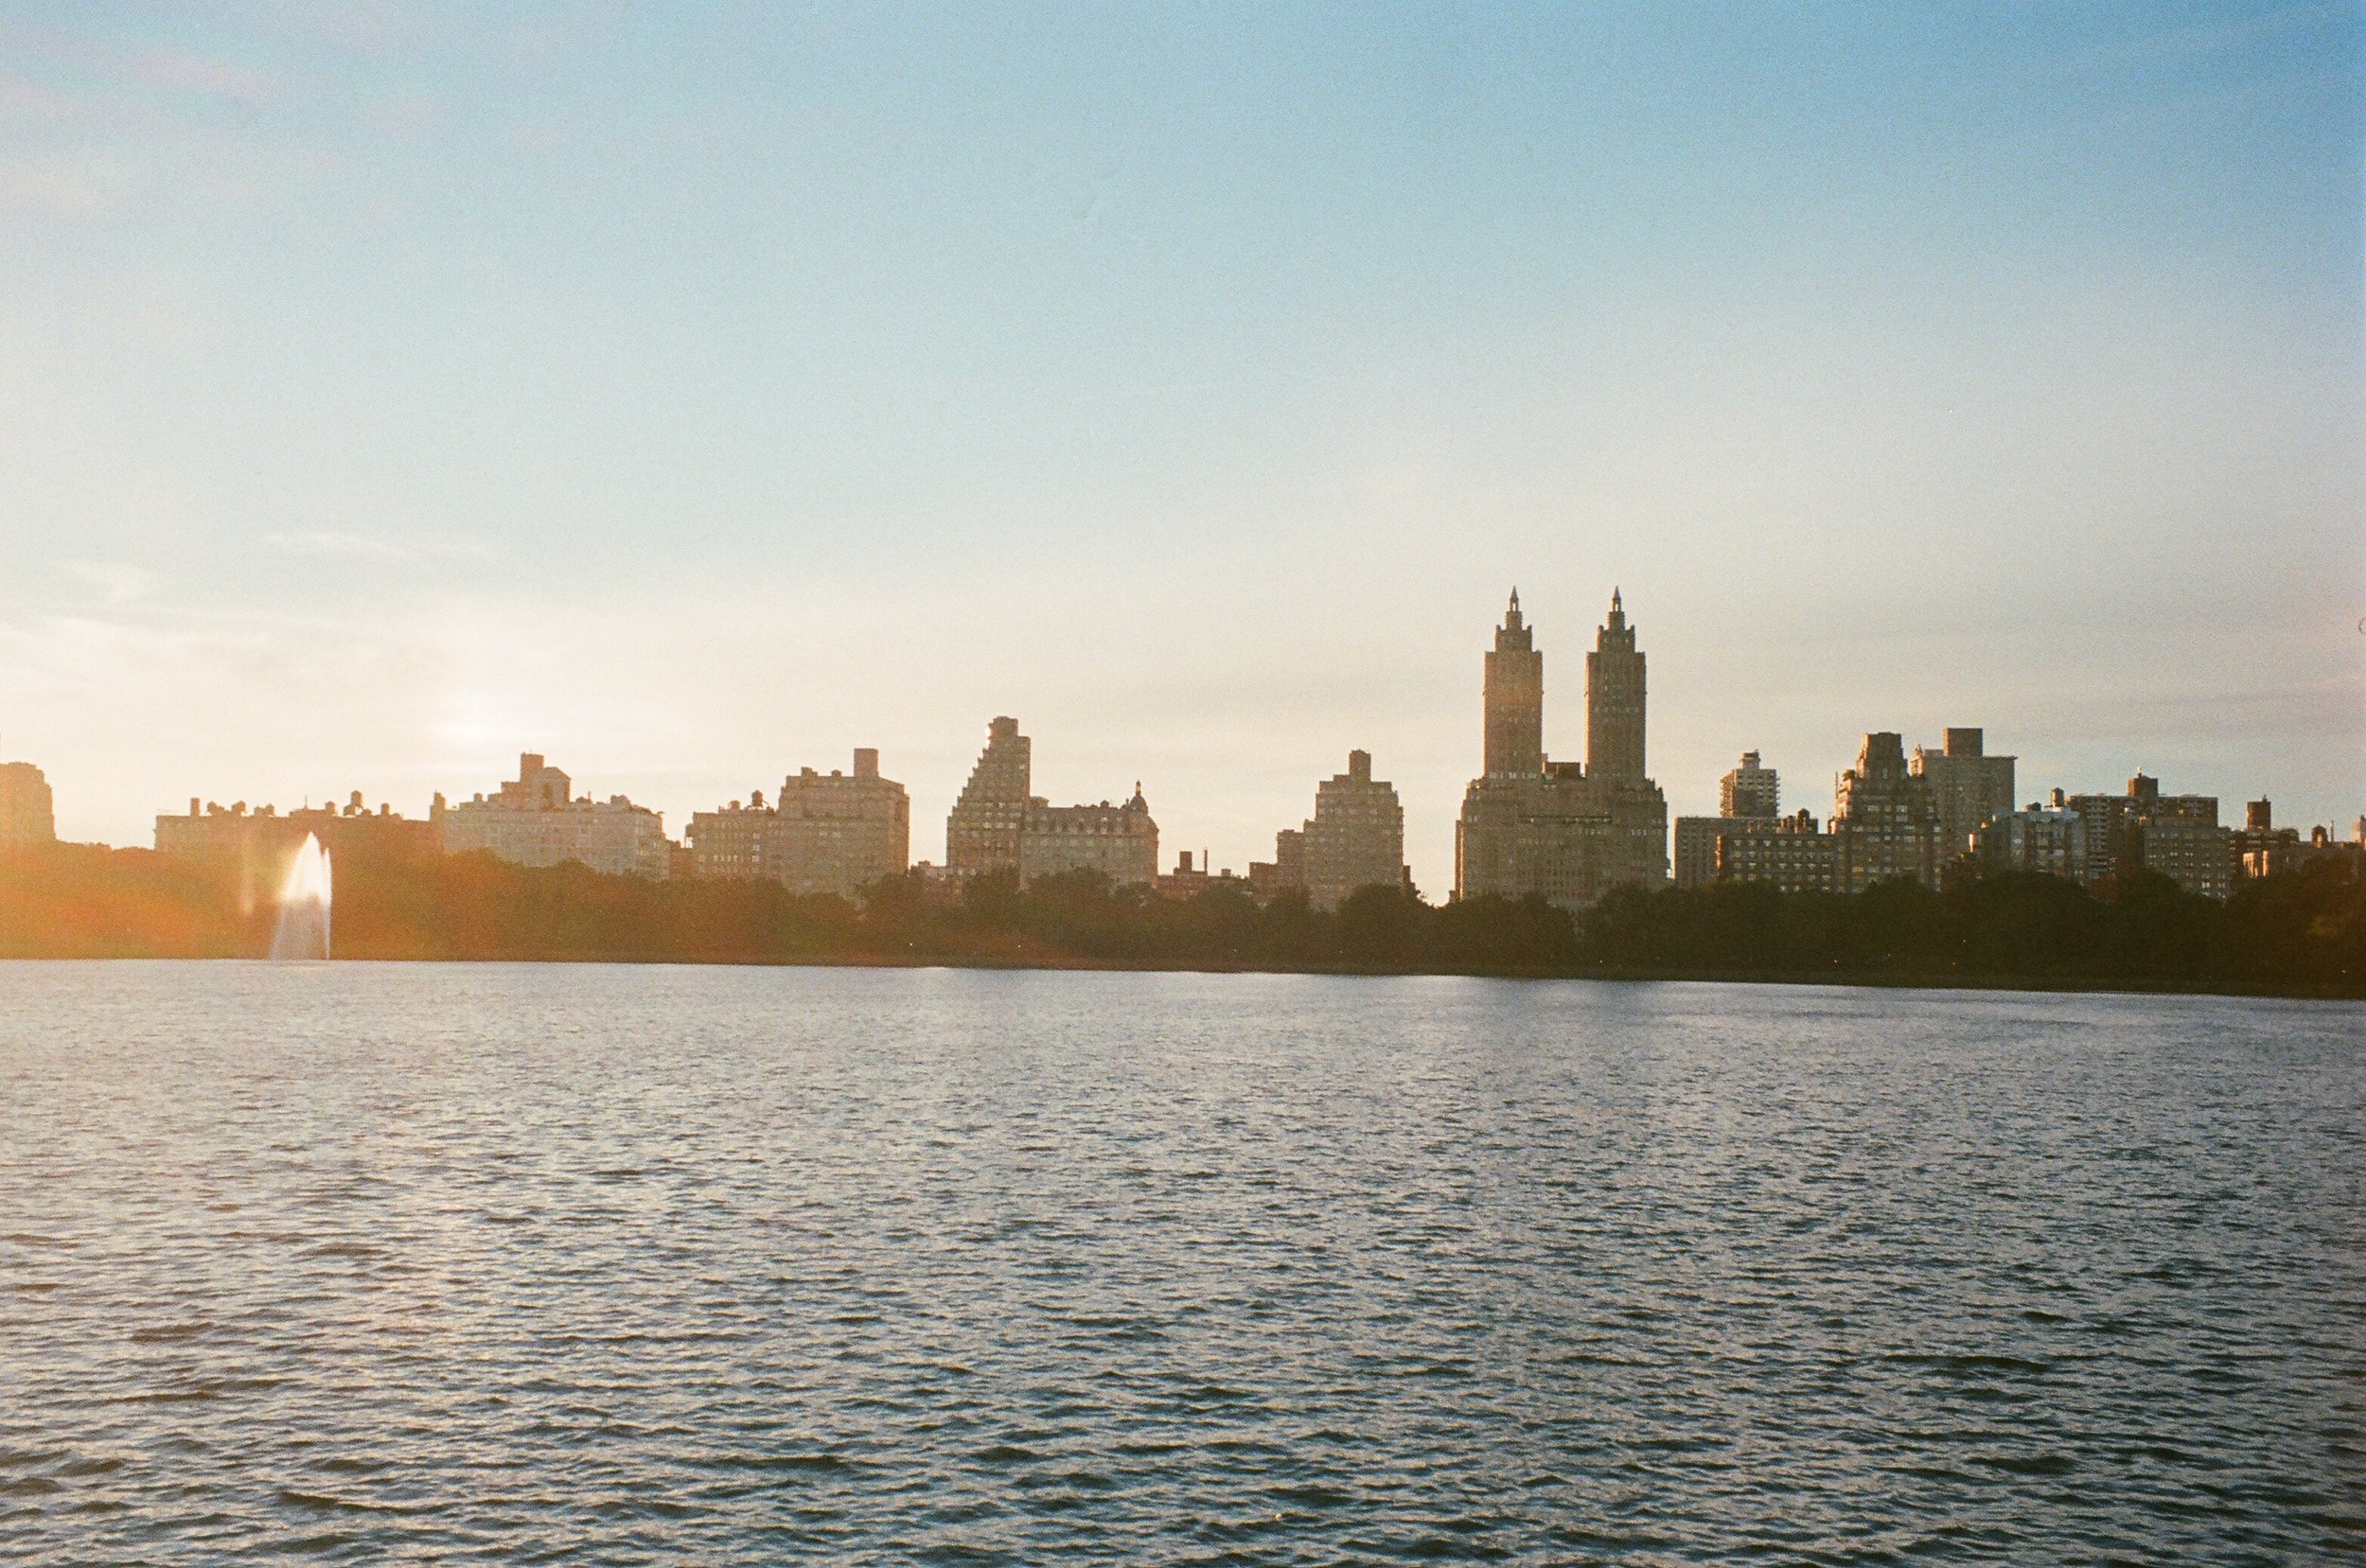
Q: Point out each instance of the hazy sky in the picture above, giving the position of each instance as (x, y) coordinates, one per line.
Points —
(695, 393)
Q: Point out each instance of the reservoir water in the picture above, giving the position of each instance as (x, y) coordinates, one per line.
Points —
(352, 1262)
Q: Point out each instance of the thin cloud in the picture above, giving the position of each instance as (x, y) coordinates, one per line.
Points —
(75, 185)
(121, 584)
(325, 543)
(183, 71)
(329, 541)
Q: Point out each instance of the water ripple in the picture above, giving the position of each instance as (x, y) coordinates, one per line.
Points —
(351, 1263)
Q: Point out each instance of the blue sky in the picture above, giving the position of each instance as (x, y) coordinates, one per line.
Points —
(694, 394)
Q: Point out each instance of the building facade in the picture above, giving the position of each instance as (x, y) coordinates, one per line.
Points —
(825, 833)
(537, 819)
(1562, 831)
(1119, 841)
(997, 824)
(2047, 841)
(1286, 872)
(1356, 836)
(1884, 825)
(2178, 836)
(981, 833)
(1790, 855)
(1967, 787)
(1750, 791)
(28, 814)
(255, 848)
(1749, 799)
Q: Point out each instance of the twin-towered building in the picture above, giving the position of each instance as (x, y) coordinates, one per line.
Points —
(1530, 825)
(1560, 829)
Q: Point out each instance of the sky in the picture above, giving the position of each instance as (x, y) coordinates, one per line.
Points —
(694, 394)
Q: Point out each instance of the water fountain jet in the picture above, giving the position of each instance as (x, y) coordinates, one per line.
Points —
(304, 900)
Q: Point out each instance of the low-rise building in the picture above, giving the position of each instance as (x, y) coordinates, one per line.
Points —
(28, 814)
(1190, 879)
(537, 819)
(825, 833)
(257, 846)
(1120, 841)
(1790, 855)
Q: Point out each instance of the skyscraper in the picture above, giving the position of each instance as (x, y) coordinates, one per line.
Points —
(1514, 700)
(1568, 832)
(1614, 701)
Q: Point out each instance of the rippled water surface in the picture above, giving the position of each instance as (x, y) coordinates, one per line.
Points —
(739, 1265)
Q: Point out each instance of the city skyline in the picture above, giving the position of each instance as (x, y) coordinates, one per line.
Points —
(1579, 738)
(692, 397)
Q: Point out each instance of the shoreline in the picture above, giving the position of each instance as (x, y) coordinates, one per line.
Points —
(2036, 985)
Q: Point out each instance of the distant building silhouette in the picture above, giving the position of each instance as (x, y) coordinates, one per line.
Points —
(1189, 880)
(997, 824)
(1750, 790)
(537, 819)
(2176, 836)
(2048, 840)
(1789, 854)
(255, 847)
(981, 833)
(1530, 825)
(825, 833)
(2263, 849)
(1286, 872)
(1750, 800)
(28, 814)
(1356, 836)
(1967, 787)
(1884, 824)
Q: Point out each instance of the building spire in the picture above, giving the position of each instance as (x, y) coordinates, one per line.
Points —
(1512, 615)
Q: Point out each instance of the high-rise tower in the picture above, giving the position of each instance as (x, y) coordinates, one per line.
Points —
(1515, 699)
(1614, 701)
(1532, 826)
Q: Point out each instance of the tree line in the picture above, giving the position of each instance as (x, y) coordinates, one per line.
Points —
(2300, 933)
